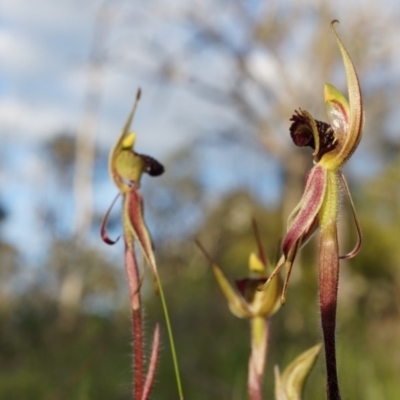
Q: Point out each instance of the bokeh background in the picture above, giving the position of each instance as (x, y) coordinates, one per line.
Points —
(220, 81)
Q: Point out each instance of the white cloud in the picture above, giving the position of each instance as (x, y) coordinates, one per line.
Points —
(32, 122)
(18, 53)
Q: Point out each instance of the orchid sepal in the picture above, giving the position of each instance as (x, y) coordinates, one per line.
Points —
(289, 385)
(307, 209)
(122, 168)
(346, 117)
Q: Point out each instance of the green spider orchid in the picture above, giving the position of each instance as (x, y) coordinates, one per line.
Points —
(333, 145)
(126, 168)
(246, 301)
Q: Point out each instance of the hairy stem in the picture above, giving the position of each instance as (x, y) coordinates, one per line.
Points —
(328, 281)
(259, 347)
(328, 284)
(132, 272)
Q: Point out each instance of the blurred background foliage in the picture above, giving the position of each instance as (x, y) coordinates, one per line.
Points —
(65, 327)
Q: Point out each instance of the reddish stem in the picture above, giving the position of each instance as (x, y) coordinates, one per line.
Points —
(259, 349)
(148, 385)
(328, 289)
(132, 272)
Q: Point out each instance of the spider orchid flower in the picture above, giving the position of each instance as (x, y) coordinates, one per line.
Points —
(246, 301)
(333, 145)
(126, 168)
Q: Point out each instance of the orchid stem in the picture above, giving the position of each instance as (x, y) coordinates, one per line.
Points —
(259, 348)
(137, 353)
(132, 272)
(170, 337)
(328, 281)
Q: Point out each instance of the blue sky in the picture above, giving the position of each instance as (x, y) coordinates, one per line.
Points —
(44, 49)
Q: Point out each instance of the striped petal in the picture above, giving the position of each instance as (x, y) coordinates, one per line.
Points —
(310, 204)
(346, 118)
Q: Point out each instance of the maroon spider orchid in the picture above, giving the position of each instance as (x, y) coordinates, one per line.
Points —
(333, 145)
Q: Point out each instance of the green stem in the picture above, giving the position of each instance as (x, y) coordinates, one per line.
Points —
(171, 338)
(259, 348)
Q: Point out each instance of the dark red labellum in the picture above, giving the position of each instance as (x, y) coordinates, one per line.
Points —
(152, 166)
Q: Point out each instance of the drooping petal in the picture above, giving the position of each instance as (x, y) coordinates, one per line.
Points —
(289, 385)
(103, 228)
(311, 201)
(347, 118)
(236, 303)
(302, 223)
(357, 247)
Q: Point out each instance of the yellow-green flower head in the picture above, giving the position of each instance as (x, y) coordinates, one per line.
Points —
(335, 142)
(127, 166)
(333, 145)
(246, 300)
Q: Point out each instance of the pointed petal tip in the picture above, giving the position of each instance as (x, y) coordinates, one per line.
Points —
(333, 22)
(256, 264)
(106, 239)
(291, 382)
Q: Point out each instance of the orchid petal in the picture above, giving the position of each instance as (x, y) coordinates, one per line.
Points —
(289, 264)
(236, 302)
(103, 228)
(350, 114)
(261, 252)
(357, 247)
(267, 302)
(124, 143)
(311, 202)
(256, 265)
(135, 225)
(278, 267)
(289, 385)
